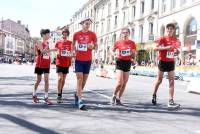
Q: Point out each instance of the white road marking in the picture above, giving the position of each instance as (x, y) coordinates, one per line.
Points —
(102, 95)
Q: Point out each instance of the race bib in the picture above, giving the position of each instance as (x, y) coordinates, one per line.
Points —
(82, 47)
(126, 52)
(170, 55)
(45, 56)
(65, 53)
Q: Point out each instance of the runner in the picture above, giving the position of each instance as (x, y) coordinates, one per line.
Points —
(84, 42)
(63, 61)
(125, 48)
(167, 46)
(42, 65)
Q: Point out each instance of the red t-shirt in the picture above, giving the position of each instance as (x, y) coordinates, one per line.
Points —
(83, 53)
(167, 55)
(124, 49)
(42, 60)
(63, 58)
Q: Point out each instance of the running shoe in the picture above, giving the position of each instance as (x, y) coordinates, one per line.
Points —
(75, 100)
(59, 99)
(36, 99)
(154, 100)
(172, 104)
(81, 105)
(118, 102)
(47, 101)
(113, 100)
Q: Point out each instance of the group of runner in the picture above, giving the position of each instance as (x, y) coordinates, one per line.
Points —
(84, 41)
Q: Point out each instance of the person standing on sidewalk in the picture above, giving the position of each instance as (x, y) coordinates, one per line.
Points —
(42, 65)
(84, 42)
(63, 61)
(125, 49)
(167, 46)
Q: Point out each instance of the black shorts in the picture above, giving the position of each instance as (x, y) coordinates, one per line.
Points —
(123, 65)
(63, 70)
(41, 71)
(166, 66)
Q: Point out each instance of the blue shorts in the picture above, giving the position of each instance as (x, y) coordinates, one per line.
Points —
(82, 66)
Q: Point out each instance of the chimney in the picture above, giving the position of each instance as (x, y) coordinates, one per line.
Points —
(19, 22)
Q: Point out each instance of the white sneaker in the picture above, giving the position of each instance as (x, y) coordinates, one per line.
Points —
(172, 104)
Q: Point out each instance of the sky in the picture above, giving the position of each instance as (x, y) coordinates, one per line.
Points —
(38, 14)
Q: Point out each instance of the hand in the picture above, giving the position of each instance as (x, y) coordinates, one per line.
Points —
(91, 46)
(168, 47)
(44, 51)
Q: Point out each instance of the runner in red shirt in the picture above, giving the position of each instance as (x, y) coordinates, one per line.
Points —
(167, 46)
(125, 49)
(84, 42)
(63, 61)
(42, 65)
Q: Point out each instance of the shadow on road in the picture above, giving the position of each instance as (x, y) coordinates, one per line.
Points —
(27, 124)
(94, 103)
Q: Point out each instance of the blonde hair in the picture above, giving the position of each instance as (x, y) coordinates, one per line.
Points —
(125, 28)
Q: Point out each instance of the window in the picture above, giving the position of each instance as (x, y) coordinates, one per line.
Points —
(124, 18)
(114, 38)
(163, 6)
(108, 25)
(177, 31)
(125, 4)
(132, 33)
(91, 13)
(173, 4)
(102, 28)
(116, 21)
(150, 28)
(141, 33)
(142, 7)
(109, 9)
(191, 32)
(116, 4)
(97, 26)
(152, 4)
(162, 31)
(133, 12)
(192, 27)
(102, 13)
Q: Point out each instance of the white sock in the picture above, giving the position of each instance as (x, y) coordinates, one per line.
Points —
(34, 93)
(79, 100)
(46, 94)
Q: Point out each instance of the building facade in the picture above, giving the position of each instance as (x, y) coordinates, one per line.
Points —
(184, 13)
(146, 19)
(15, 40)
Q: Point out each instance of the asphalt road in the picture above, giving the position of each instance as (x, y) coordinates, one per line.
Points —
(19, 115)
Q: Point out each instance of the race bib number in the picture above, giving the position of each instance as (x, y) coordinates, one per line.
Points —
(65, 53)
(82, 47)
(170, 55)
(126, 52)
(45, 56)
